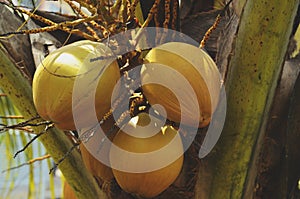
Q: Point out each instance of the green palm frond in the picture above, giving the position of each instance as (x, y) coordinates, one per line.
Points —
(30, 175)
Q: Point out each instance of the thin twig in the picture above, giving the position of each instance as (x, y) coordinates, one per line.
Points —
(64, 157)
(116, 7)
(12, 6)
(34, 138)
(167, 13)
(209, 31)
(23, 124)
(28, 163)
(152, 11)
(52, 25)
(12, 117)
(133, 7)
(214, 26)
(92, 22)
(175, 15)
(26, 129)
(88, 5)
(151, 14)
(123, 11)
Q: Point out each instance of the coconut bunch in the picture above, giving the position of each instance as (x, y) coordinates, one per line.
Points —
(145, 155)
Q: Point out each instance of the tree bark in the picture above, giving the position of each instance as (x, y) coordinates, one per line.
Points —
(255, 63)
(292, 145)
(16, 45)
(272, 164)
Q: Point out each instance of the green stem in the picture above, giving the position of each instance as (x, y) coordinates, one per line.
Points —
(254, 70)
(18, 89)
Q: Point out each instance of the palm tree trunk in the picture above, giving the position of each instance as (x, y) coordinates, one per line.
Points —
(255, 64)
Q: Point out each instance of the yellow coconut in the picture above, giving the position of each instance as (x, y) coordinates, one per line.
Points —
(95, 153)
(152, 157)
(189, 71)
(54, 81)
(96, 167)
(68, 192)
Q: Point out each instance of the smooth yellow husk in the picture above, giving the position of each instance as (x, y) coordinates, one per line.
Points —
(146, 184)
(54, 79)
(91, 148)
(196, 67)
(68, 192)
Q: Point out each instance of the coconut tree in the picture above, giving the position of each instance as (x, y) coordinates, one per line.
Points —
(250, 41)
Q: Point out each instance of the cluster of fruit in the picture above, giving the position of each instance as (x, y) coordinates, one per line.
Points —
(145, 155)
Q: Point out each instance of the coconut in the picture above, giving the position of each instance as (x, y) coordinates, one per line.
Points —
(54, 80)
(95, 152)
(152, 157)
(68, 192)
(184, 80)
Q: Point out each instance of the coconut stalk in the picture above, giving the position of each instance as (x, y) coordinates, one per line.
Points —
(18, 89)
(253, 72)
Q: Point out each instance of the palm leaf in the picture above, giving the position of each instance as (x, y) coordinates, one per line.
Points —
(12, 141)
